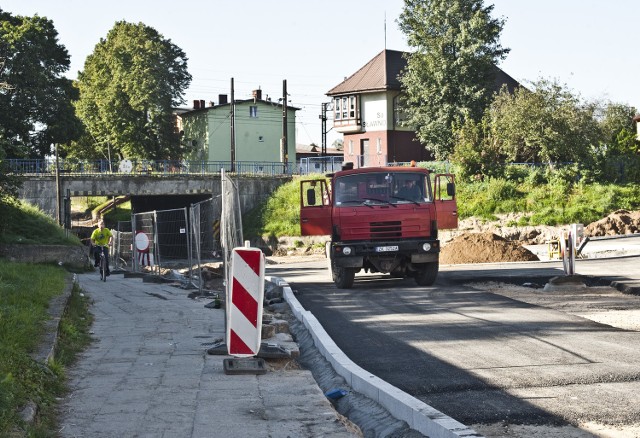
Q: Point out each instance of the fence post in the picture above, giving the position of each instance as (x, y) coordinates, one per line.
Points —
(156, 248)
(134, 248)
(189, 255)
(195, 229)
(117, 249)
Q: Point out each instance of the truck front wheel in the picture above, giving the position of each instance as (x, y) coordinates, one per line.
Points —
(343, 277)
(427, 275)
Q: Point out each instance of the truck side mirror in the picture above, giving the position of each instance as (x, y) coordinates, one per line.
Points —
(311, 196)
(451, 189)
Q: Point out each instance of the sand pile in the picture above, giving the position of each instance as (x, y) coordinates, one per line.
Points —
(618, 222)
(483, 248)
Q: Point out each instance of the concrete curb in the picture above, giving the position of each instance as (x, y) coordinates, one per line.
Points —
(47, 349)
(627, 287)
(417, 414)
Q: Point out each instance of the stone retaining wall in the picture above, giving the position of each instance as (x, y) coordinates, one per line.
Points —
(74, 257)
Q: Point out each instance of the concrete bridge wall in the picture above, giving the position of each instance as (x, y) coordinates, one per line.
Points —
(42, 191)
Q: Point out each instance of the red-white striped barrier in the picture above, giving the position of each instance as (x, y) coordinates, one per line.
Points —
(244, 318)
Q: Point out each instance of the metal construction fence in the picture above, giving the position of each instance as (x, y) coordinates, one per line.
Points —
(122, 247)
(144, 248)
(205, 232)
(230, 221)
(162, 241)
(178, 242)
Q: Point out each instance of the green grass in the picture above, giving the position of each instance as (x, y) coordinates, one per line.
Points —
(555, 203)
(25, 293)
(87, 203)
(122, 213)
(544, 203)
(279, 215)
(91, 204)
(24, 223)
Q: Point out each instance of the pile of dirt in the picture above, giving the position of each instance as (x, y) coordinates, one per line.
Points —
(483, 248)
(505, 226)
(618, 222)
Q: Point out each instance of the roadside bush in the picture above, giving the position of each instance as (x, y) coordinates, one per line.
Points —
(581, 214)
(567, 174)
(622, 169)
(536, 177)
(549, 216)
(502, 190)
(517, 172)
(485, 199)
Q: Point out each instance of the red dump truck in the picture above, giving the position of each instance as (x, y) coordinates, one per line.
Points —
(380, 219)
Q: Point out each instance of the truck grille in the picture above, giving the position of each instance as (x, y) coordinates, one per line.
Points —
(385, 230)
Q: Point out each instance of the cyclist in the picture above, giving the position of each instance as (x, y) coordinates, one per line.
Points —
(101, 239)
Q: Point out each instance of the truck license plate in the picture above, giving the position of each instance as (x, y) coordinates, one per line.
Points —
(386, 248)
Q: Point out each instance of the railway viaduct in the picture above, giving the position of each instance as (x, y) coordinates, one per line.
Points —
(49, 193)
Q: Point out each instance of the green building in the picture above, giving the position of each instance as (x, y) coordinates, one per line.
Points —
(257, 125)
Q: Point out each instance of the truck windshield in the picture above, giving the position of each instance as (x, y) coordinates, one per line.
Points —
(382, 188)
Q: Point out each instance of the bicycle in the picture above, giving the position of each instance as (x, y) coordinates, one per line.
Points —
(102, 265)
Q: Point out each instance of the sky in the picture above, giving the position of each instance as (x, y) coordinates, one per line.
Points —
(590, 46)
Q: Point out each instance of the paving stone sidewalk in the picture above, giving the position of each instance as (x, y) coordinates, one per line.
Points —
(148, 374)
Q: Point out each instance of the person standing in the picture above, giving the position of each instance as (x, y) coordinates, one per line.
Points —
(101, 240)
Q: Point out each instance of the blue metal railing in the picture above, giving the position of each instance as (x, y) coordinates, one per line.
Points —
(47, 167)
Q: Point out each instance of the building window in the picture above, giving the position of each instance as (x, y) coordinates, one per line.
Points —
(260, 138)
(346, 110)
(350, 147)
(253, 111)
(379, 145)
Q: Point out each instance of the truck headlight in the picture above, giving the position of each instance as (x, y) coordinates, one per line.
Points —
(426, 246)
(346, 250)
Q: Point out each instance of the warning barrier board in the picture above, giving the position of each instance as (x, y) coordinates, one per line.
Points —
(244, 318)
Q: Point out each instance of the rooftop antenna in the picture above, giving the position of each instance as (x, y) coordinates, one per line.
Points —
(385, 30)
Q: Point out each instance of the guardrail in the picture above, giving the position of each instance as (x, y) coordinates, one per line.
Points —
(46, 167)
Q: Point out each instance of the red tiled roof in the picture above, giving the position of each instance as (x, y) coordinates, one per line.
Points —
(381, 74)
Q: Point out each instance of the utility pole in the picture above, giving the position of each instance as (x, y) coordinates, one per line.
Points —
(323, 118)
(284, 145)
(58, 194)
(323, 128)
(233, 129)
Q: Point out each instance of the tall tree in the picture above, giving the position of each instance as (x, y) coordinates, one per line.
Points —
(450, 75)
(618, 128)
(35, 98)
(128, 87)
(550, 124)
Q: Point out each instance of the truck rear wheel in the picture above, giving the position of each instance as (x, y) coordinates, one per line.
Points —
(343, 277)
(428, 274)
